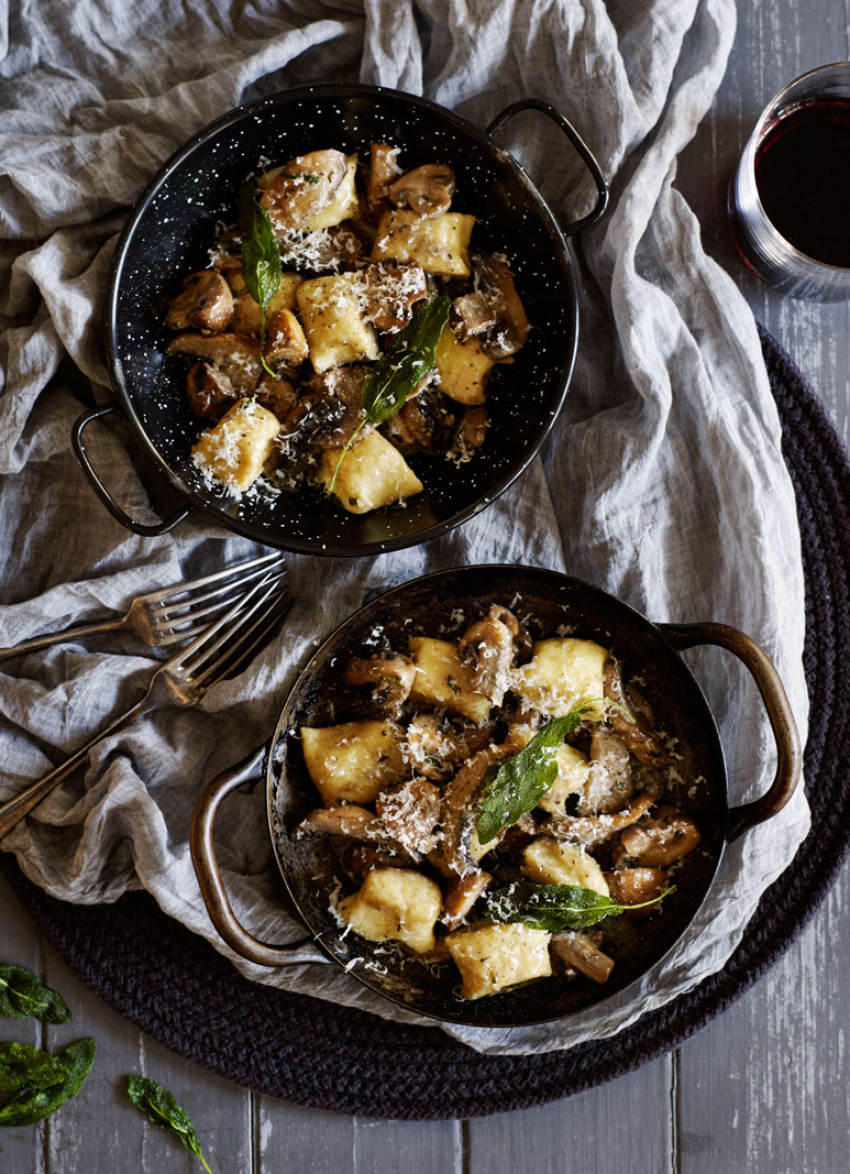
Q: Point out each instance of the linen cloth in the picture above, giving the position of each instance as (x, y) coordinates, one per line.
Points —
(663, 481)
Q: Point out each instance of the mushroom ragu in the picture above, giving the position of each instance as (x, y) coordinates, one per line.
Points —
(497, 802)
(344, 326)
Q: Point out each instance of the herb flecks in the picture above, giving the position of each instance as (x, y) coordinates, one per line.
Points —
(163, 1110)
(40, 1082)
(522, 781)
(555, 907)
(261, 270)
(399, 371)
(24, 995)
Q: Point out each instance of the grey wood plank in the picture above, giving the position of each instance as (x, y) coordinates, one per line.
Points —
(624, 1125)
(20, 1148)
(426, 1147)
(767, 1087)
(100, 1130)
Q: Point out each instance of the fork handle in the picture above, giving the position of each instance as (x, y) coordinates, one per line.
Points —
(15, 809)
(65, 634)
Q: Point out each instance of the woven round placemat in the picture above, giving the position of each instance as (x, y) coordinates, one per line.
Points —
(331, 1057)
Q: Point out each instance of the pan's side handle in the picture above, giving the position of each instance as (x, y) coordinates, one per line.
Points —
(212, 887)
(577, 141)
(78, 442)
(789, 754)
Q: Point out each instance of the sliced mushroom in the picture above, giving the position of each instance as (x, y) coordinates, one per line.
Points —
(488, 647)
(578, 951)
(390, 293)
(285, 340)
(210, 392)
(426, 423)
(459, 851)
(358, 860)
(591, 830)
(383, 169)
(410, 812)
(634, 886)
(234, 355)
(494, 311)
(353, 822)
(336, 249)
(657, 840)
(635, 729)
(303, 188)
(328, 414)
(427, 190)
(391, 676)
(438, 745)
(206, 304)
(470, 435)
(460, 897)
(277, 395)
(609, 784)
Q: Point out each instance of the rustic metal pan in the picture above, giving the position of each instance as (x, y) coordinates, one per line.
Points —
(171, 230)
(446, 602)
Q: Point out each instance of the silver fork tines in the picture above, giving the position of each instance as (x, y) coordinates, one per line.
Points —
(183, 679)
(172, 613)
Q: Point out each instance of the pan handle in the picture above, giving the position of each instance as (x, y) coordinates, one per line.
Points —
(212, 887)
(788, 751)
(577, 141)
(101, 490)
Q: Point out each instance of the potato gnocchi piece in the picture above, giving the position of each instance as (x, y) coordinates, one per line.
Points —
(353, 762)
(493, 957)
(463, 368)
(247, 317)
(235, 450)
(573, 768)
(372, 474)
(395, 904)
(440, 246)
(561, 675)
(344, 206)
(442, 679)
(333, 318)
(549, 862)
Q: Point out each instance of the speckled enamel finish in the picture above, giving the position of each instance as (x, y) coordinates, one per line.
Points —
(171, 232)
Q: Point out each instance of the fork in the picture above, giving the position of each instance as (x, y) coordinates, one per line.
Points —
(174, 613)
(183, 680)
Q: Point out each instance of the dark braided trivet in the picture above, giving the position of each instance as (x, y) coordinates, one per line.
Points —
(331, 1057)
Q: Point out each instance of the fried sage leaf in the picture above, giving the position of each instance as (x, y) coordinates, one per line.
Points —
(24, 995)
(522, 781)
(554, 907)
(163, 1110)
(260, 256)
(41, 1083)
(399, 370)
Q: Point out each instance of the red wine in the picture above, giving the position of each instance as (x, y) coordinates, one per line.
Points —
(803, 180)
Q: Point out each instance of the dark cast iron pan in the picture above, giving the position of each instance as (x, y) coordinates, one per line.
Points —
(444, 604)
(169, 235)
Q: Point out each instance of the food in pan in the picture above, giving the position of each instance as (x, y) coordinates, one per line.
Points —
(496, 802)
(346, 326)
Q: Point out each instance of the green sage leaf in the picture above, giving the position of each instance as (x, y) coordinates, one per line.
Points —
(554, 907)
(399, 370)
(261, 270)
(41, 1083)
(162, 1109)
(522, 781)
(24, 995)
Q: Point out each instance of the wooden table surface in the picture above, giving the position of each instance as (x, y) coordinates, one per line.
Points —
(765, 1088)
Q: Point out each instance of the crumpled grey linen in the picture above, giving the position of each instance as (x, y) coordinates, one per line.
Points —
(663, 481)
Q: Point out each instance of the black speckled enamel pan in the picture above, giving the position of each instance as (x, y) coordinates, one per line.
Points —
(171, 230)
(444, 604)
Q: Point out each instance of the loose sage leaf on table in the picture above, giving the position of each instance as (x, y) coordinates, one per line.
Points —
(554, 907)
(260, 256)
(41, 1083)
(522, 781)
(24, 995)
(399, 370)
(163, 1110)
